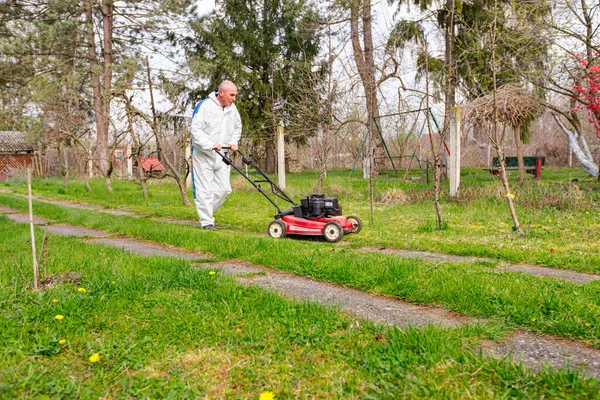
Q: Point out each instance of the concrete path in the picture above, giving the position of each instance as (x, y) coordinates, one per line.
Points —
(149, 249)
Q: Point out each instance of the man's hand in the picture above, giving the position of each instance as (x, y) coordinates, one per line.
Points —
(233, 147)
(217, 146)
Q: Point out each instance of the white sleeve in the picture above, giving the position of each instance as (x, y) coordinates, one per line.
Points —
(200, 137)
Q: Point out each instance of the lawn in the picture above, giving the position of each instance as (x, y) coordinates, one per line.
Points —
(560, 218)
(164, 328)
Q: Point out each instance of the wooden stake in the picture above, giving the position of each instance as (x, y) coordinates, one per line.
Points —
(36, 268)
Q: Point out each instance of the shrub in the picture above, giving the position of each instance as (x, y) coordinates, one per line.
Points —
(393, 196)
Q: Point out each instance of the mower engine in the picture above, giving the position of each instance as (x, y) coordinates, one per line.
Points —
(317, 206)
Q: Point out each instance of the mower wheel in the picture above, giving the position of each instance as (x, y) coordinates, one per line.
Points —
(276, 229)
(356, 223)
(333, 231)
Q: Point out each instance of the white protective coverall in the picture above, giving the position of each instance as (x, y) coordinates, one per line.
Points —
(212, 124)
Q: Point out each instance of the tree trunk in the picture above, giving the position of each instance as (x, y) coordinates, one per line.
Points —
(506, 186)
(107, 28)
(365, 64)
(580, 149)
(101, 93)
(270, 157)
(450, 98)
(61, 160)
(519, 144)
(496, 140)
(435, 150)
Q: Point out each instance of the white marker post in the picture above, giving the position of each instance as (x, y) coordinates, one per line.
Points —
(280, 157)
(455, 154)
(129, 162)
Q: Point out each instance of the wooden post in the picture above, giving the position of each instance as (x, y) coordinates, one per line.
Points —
(129, 161)
(455, 154)
(280, 157)
(538, 168)
(90, 165)
(36, 267)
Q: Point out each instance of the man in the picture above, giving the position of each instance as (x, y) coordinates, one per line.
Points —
(215, 123)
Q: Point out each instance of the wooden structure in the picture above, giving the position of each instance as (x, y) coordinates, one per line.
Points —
(511, 106)
(16, 153)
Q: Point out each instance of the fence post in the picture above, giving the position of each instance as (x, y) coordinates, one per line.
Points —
(90, 164)
(129, 162)
(280, 157)
(454, 175)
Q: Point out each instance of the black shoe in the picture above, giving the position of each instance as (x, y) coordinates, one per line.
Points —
(209, 227)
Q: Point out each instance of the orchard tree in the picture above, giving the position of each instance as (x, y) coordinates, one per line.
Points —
(465, 69)
(93, 40)
(571, 81)
(116, 32)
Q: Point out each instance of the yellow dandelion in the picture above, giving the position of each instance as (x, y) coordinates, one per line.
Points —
(510, 195)
(532, 319)
(81, 290)
(588, 324)
(62, 341)
(112, 282)
(55, 300)
(266, 396)
(59, 317)
(549, 220)
(212, 273)
(95, 357)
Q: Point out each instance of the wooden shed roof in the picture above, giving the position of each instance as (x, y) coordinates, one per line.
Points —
(14, 142)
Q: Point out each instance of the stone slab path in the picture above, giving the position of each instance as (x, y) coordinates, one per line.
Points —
(426, 255)
(148, 249)
(70, 230)
(573, 276)
(379, 309)
(531, 349)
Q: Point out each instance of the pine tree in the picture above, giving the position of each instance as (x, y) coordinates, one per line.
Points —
(267, 48)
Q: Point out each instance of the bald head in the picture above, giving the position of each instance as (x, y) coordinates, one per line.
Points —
(227, 93)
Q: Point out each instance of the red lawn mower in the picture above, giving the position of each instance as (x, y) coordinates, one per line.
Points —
(316, 215)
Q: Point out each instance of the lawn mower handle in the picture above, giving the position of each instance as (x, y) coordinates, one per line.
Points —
(275, 189)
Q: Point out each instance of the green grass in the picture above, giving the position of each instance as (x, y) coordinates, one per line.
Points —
(164, 328)
(538, 304)
(560, 218)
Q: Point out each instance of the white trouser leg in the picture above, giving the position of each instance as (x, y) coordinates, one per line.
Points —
(211, 185)
(221, 186)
